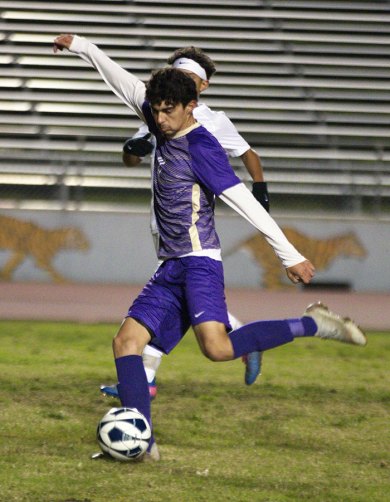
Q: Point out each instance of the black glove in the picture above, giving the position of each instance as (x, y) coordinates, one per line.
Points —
(138, 146)
(260, 193)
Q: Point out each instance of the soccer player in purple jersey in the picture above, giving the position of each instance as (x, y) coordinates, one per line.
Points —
(200, 67)
(191, 168)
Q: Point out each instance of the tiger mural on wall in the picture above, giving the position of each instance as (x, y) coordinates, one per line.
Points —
(321, 252)
(27, 239)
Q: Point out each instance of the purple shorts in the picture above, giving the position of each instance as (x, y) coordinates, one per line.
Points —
(183, 292)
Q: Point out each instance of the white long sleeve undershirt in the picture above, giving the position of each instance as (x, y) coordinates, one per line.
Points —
(127, 87)
(242, 201)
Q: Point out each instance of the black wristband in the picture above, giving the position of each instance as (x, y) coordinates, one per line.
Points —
(260, 193)
(138, 146)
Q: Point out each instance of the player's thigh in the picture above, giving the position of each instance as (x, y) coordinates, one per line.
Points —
(205, 291)
(160, 307)
(214, 341)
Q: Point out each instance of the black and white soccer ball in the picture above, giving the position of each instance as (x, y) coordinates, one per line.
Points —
(124, 433)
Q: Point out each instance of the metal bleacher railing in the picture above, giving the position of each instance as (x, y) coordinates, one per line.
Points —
(306, 83)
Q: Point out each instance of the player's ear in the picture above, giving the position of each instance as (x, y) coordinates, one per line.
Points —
(191, 105)
(204, 85)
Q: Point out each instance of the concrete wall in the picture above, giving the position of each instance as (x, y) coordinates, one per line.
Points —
(121, 250)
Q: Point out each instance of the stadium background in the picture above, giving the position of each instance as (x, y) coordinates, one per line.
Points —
(305, 82)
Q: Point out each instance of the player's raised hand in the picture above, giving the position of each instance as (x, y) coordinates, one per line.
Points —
(302, 272)
(62, 42)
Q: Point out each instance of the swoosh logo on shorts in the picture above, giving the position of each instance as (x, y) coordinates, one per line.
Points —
(198, 314)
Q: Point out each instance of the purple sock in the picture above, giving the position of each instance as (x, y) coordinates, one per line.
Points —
(133, 387)
(265, 335)
(303, 326)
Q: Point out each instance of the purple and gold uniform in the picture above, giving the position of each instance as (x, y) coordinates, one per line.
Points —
(190, 169)
(188, 288)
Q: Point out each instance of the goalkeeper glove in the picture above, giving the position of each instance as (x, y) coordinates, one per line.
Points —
(138, 146)
(260, 193)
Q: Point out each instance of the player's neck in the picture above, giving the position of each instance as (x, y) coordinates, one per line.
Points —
(185, 131)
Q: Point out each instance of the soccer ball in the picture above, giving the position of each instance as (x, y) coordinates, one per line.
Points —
(124, 433)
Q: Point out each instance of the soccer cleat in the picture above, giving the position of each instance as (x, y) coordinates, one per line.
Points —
(332, 326)
(252, 363)
(109, 390)
(152, 454)
(112, 390)
(153, 389)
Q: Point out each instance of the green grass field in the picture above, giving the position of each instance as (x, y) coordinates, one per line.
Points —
(315, 427)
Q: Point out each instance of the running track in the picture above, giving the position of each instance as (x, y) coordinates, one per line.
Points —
(108, 303)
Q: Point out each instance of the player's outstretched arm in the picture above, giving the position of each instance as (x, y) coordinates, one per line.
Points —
(239, 198)
(127, 87)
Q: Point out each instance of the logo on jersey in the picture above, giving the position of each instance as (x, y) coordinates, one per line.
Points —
(161, 162)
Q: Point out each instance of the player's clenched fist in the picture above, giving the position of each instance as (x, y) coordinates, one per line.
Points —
(302, 272)
(62, 42)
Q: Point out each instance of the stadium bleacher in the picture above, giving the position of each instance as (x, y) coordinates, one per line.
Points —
(306, 83)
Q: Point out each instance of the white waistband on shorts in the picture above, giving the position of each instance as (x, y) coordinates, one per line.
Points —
(214, 254)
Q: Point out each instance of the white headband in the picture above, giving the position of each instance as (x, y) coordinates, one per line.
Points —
(190, 65)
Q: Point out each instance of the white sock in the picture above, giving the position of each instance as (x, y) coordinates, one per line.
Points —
(234, 322)
(152, 351)
(151, 358)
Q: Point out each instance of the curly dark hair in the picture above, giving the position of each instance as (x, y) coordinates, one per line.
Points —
(172, 86)
(197, 55)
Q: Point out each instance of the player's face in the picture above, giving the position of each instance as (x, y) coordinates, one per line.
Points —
(172, 119)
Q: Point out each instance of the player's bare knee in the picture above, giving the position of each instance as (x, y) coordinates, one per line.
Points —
(122, 342)
(214, 341)
(130, 339)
